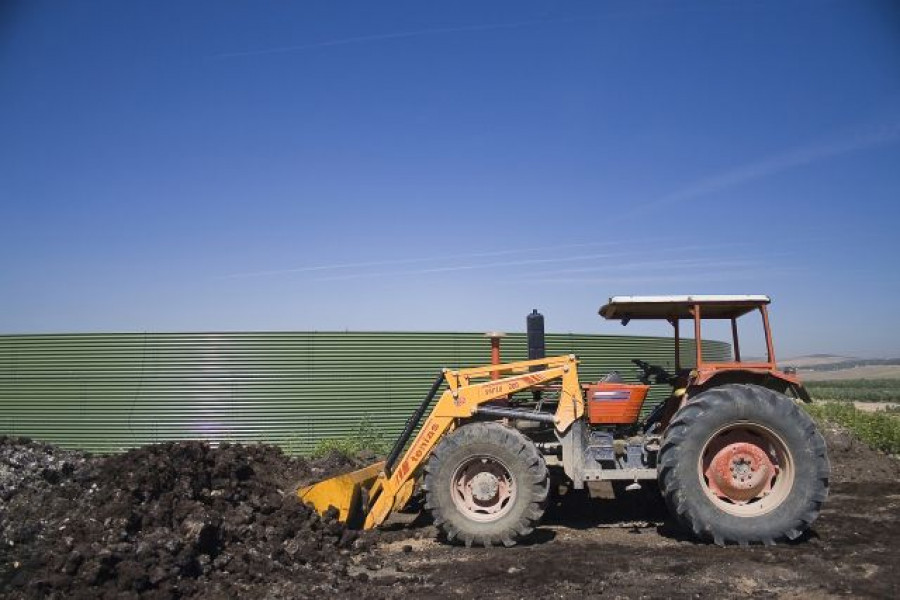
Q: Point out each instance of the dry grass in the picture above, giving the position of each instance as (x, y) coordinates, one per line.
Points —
(866, 372)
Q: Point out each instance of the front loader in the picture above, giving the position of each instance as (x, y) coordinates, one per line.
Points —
(735, 457)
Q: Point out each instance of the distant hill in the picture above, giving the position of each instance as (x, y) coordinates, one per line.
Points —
(831, 367)
(847, 363)
(813, 361)
(825, 367)
(871, 372)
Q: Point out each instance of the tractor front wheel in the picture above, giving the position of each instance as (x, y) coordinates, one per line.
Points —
(742, 464)
(486, 484)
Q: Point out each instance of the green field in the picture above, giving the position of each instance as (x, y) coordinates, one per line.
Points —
(835, 404)
(856, 390)
(880, 430)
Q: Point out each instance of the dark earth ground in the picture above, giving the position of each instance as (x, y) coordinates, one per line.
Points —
(186, 520)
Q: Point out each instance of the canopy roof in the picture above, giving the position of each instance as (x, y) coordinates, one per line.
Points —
(679, 307)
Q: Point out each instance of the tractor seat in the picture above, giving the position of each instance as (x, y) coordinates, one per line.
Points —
(612, 377)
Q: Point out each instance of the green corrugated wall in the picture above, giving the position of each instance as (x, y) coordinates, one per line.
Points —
(108, 392)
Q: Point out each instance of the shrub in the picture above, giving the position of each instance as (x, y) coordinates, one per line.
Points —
(880, 430)
(367, 438)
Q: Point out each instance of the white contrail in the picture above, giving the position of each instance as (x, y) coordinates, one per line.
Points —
(502, 264)
(512, 263)
(777, 163)
(700, 264)
(406, 261)
(363, 39)
(744, 275)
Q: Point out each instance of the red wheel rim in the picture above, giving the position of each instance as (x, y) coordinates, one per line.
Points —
(483, 489)
(746, 469)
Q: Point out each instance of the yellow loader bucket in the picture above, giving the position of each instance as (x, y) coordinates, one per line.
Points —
(343, 492)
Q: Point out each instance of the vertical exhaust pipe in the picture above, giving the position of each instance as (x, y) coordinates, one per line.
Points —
(537, 347)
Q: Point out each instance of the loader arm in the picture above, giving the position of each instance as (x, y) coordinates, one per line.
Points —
(395, 483)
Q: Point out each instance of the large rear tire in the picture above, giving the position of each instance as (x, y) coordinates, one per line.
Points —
(742, 464)
(486, 484)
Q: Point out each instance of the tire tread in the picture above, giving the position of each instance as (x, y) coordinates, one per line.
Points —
(535, 487)
(751, 398)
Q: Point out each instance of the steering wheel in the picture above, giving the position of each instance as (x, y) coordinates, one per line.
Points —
(647, 371)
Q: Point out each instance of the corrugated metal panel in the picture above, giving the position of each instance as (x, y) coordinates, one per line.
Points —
(108, 392)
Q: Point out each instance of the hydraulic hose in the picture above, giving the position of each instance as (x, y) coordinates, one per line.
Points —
(411, 425)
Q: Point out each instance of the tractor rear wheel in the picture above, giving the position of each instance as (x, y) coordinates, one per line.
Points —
(743, 464)
(486, 484)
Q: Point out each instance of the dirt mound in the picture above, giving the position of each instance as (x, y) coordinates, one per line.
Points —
(853, 461)
(164, 521)
(24, 464)
(188, 520)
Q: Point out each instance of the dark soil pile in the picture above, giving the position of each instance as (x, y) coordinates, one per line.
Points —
(852, 461)
(166, 521)
(187, 520)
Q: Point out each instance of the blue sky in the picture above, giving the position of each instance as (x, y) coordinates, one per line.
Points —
(448, 166)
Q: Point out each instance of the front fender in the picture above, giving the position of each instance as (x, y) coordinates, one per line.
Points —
(779, 381)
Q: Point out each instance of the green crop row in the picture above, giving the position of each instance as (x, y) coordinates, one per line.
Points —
(856, 390)
(880, 429)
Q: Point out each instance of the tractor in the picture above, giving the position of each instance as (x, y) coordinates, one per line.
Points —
(731, 450)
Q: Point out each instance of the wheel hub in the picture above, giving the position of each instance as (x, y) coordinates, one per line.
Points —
(740, 470)
(483, 489)
(484, 486)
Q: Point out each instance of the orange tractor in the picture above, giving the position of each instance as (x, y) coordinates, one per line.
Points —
(735, 457)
